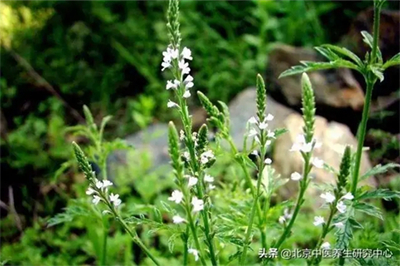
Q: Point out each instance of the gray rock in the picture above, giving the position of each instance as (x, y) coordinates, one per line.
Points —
(333, 136)
(243, 106)
(151, 144)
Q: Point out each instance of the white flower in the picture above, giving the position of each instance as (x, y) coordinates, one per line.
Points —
(296, 176)
(257, 139)
(186, 94)
(195, 253)
(98, 184)
(172, 85)
(317, 145)
(252, 132)
(211, 186)
(255, 153)
(271, 134)
(286, 214)
(338, 225)
(176, 196)
(208, 178)
(177, 219)
(171, 104)
(181, 135)
(268, 142)
(96, 199)
(341, 207)
(328, 197)
(192, 181)
(186, 155)
(269, 117)
(206, 156)
(115, 199)
(187, 54)
(282, 219)
(268, 161)
(198, 204)
(253, 120)
(90, 191)
(184, 67)
(326, 245)
(318, 220)
(107, 183)
(165, 65)
(262, 125)
(348, 196)
(317, 162)
(301, 145)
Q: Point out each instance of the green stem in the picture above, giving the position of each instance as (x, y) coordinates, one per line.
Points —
(370, 81)
(261, 166)
(195, 167)
(361, 136)
(325, 231)
(186, 247)
(299, 202)
(252, 190)
(105, 235)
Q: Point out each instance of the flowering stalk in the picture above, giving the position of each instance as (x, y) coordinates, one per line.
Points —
(305, 145)
(197, 160)
(99, 190)
(220, 119)
(263, 140)
(370, 80)
(335, 202)
(184, 196)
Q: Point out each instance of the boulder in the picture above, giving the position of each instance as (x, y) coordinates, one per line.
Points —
(335, 88)
(243, 106)
(332, 135)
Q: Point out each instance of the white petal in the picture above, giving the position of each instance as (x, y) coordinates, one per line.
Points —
(186, 94)
(171, 104)
(296, 176)
(348, 196)
(269, 117)
(253, 120)
(326, 245)
(268, 161)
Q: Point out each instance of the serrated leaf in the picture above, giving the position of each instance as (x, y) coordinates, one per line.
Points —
(395, 60)
(166, 207)
(378, 73)
(308, 66)
(367, 38)
(368, 209)
(280, 131)
(345, 52)
(381, 193)
(330, 55)
(379, 169)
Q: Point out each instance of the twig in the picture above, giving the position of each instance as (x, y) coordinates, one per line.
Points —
(44, 83)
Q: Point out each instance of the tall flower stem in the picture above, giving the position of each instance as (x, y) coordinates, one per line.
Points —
(252, 189)
(255, 204)
(195, 167)
(132, 234)
(370, 80)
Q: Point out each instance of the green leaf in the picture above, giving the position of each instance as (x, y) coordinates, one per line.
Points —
(367, 38)
(280, 131)
(377, 72)
(379, 169)
(308, 66)
(345, 52)
(103, 125)
(381, 193)
(395, 60)
(368, 209)
(330, 55)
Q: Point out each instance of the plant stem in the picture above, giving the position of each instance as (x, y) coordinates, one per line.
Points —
(105, 234)
(370, 80)
(261, 166)
(252, 189)
(325, 231)
(186, 247)
(195, 167)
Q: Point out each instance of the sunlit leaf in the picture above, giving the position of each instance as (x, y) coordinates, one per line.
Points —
(395, 60)
(379, 169)
(345, 52)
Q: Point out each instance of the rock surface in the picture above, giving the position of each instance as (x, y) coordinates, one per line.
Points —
(335, 88)
(243, 106)
(333, 136)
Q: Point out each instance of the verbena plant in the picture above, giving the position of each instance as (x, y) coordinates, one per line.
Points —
(197, 219)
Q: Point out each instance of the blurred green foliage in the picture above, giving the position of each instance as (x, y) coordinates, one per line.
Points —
(107, 54)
